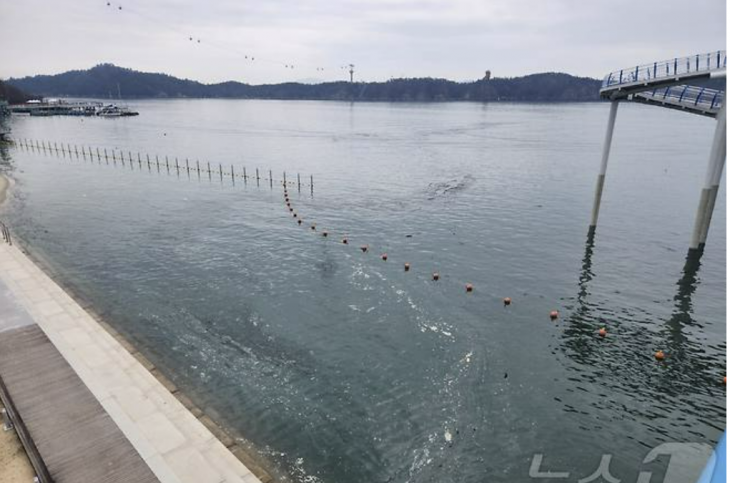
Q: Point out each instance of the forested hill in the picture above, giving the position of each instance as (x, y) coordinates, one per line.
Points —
(12, 94)
(108, 80)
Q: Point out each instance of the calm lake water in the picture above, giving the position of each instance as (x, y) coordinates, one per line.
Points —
(343, 368)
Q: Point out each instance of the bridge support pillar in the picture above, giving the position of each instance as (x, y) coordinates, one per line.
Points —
(604, 163)
(712, 184)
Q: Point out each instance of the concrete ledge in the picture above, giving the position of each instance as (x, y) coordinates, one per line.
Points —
(160, 423)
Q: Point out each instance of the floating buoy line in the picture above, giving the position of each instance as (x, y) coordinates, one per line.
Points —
(366, 248)
(175, 164)
(435, 277)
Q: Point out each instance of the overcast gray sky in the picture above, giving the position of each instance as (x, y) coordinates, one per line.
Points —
(455, 39)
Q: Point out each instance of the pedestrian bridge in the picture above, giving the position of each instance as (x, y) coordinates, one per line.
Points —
(622, 83)
(668, 84)
(697, 100)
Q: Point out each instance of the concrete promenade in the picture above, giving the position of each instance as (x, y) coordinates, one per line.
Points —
(176, 446)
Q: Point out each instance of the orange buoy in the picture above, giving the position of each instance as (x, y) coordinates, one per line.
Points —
(299, 222)
(435, 276)
(507, 301)
(469, 287)
(407, 267)
(602, 332)
(364, 248)
(659, 355)
(724, 380)
(384, 256)
(324, 233)
(344, 241)
(553, 315)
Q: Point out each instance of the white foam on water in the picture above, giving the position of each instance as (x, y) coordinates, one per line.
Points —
(300, 475)
(421, 458)
(412, 303)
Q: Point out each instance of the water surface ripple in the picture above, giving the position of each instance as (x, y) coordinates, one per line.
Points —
(343, 368)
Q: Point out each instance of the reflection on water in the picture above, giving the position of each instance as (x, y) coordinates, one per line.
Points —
(686, 286)
(581, 329)
(622, 363)
(694, 367)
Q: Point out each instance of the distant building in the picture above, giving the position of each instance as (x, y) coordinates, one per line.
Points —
(487, 75)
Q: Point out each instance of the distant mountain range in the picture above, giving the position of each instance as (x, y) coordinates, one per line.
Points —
(107, 80)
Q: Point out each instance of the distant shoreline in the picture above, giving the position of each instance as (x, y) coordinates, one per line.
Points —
(361, 101)
(108, 81)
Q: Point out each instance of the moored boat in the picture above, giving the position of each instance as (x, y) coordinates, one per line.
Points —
(113, 110)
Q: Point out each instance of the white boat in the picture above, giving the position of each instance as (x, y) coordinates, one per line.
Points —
(112, 110)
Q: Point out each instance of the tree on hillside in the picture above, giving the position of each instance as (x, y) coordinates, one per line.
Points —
(12, 94)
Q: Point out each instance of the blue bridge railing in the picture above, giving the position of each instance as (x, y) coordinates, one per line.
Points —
(679, 66)
(693, 97)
